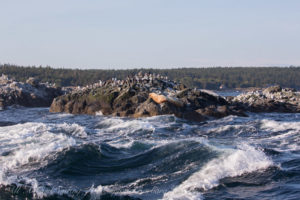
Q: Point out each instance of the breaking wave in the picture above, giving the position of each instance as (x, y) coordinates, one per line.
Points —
(62, 156)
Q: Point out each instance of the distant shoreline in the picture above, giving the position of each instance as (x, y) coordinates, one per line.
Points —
(214, 78)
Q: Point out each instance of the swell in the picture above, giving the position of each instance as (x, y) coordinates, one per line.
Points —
(117, 169)
(59, 156)
(92, 159)
(245, 159)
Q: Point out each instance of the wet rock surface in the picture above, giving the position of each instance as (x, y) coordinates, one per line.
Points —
(271, 99)
(144, 96)
(29, 94)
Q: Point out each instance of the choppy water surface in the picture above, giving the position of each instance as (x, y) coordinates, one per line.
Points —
(62, 156)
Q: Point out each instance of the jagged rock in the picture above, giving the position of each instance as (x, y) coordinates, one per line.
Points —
(272, 99)
(30, 94)
(32, 81)
(147, 109)
(175, 101)
(142, 97)
(273, 89)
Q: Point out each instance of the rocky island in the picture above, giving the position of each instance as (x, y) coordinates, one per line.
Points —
(271, 99)
(145, 95)
(29, 94)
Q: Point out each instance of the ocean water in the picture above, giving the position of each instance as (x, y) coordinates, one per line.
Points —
(226, 93)
(61, 156)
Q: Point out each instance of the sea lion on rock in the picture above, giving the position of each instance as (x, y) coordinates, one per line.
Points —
(157, 98)
(162, 99)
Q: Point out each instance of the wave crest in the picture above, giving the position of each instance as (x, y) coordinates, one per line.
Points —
(245, 159)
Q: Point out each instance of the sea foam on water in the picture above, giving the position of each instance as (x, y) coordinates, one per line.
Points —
(245, 159)
(161, 157)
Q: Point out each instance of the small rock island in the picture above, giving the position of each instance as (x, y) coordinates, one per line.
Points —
(145, 95)
(271, 99)
(29, 94)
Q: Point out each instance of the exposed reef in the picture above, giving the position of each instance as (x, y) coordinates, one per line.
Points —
(145, 95)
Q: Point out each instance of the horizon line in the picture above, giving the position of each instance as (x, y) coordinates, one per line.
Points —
(153, 68)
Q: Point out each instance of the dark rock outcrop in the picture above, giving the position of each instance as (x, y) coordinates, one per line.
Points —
(141, 97)
(271, 99)
(29, 94)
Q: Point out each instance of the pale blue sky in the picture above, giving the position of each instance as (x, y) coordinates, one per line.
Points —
(153, 33)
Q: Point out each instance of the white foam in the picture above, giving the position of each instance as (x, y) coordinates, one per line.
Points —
(285, 142)
(96, 192)
(28, 143)
(37, 192)
(74, 129)
(40, 191)
(59, 115)
(124, 127)
(275, 126)
(243, 160)
(224, 128)
(99, 113)
(121, 143)
(133, 125)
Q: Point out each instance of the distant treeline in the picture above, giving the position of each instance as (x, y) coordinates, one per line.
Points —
(208, 78)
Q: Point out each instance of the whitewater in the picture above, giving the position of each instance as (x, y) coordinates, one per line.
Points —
(62, 156)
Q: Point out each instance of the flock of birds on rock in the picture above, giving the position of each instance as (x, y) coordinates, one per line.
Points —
(139, 78)
(142, 80)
